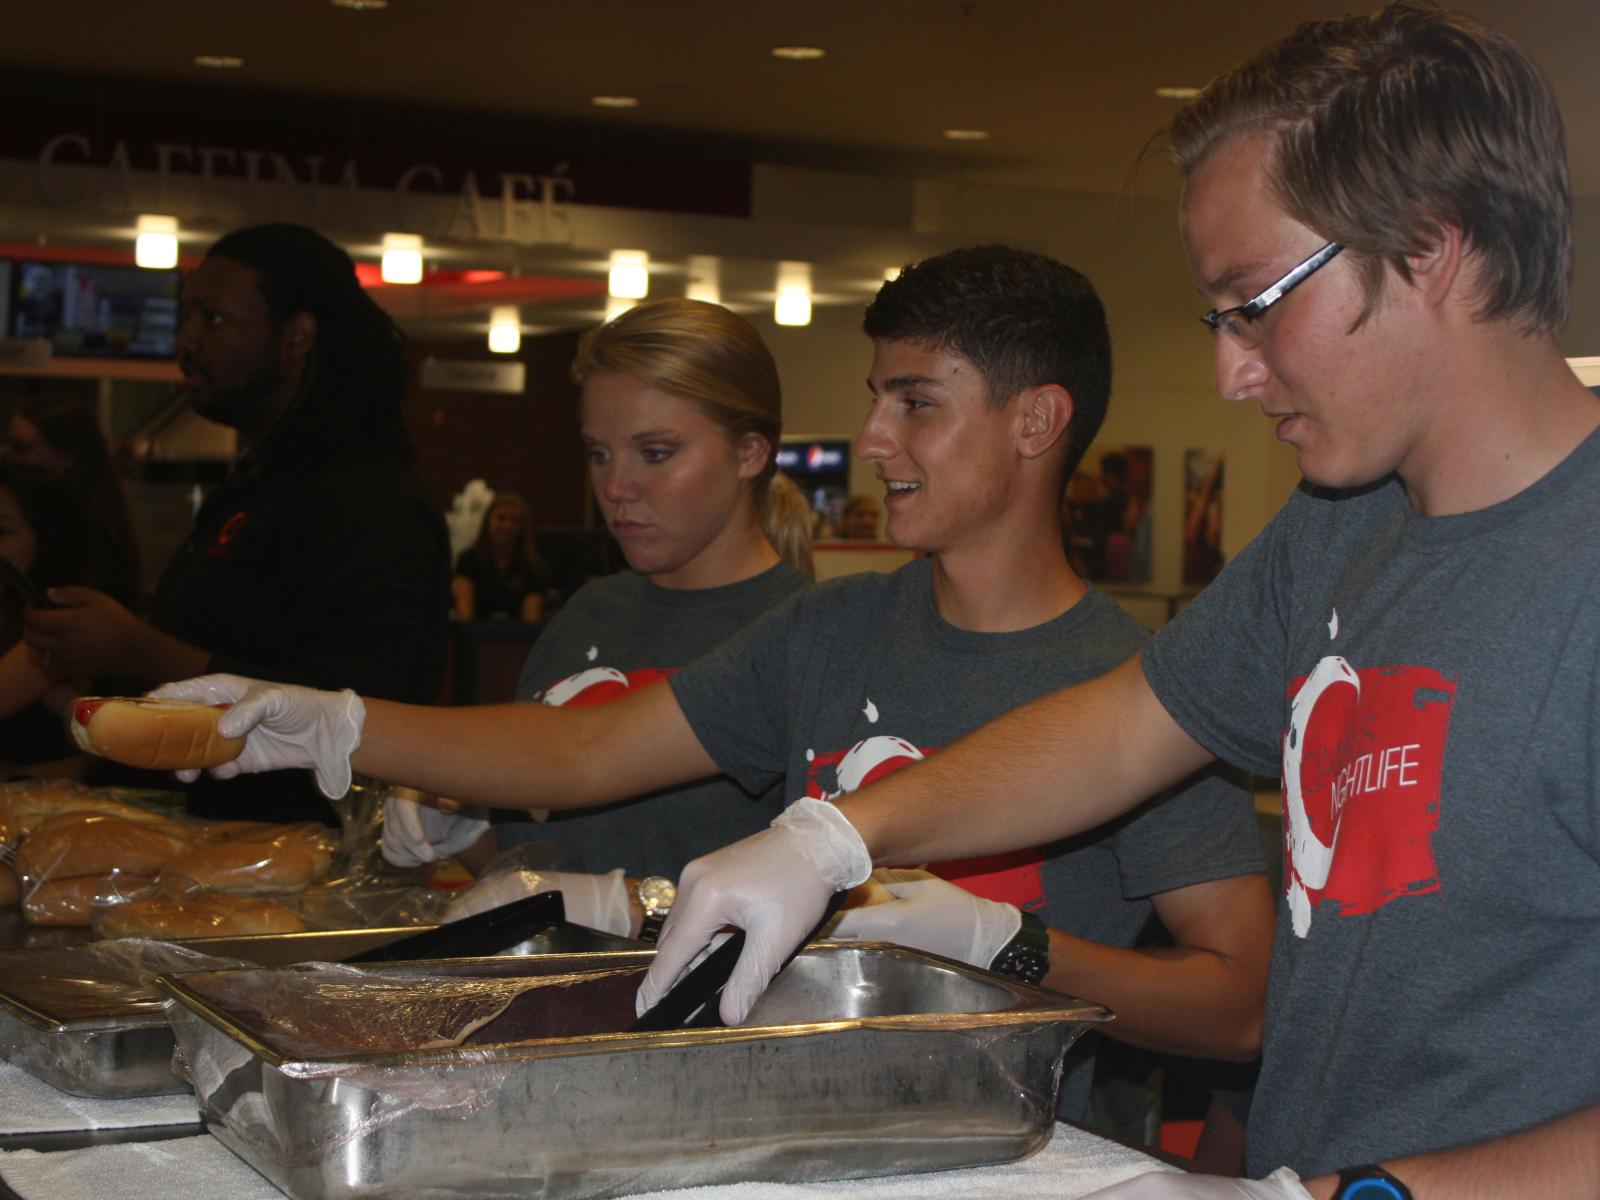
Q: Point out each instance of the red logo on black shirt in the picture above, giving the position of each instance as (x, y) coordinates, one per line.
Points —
(1362, 760)
(230, 530)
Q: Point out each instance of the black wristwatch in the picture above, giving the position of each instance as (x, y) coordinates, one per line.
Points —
(656, 895)
(1370, 1182)
(1027, 954)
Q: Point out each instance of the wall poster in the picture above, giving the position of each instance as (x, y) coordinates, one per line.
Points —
(1202, 516)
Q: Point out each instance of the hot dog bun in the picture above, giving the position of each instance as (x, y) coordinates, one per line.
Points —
(74, 901)
(208, 914)
(158, 735)
(87, 844)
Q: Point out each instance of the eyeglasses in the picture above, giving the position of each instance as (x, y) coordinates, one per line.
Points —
(1240, 321)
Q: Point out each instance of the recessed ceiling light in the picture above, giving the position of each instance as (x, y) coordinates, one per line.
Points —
(615, 101)
(799, 53)
(360, 5)
(1177, 93)
(967, 135)
(219, 62)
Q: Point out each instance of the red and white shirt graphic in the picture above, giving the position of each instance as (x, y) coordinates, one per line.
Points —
(1011, 878)
(599, 685)
(1362, 761)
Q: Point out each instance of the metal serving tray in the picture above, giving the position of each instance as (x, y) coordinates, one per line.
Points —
(90, 1031)
(862, 1059)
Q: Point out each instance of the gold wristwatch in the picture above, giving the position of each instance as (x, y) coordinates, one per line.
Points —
(656, 894)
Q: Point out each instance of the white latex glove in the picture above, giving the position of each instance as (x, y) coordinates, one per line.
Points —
(288, 727)
(773, 885)
(417, 834)
(932, 914)
(598, 901)
(1282, 1184)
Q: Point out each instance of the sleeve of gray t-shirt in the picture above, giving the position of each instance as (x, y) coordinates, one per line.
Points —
(736, 698)
(1218, 667)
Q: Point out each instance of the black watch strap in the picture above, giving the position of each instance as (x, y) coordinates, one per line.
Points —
(1027, 955)
(1369, 1182)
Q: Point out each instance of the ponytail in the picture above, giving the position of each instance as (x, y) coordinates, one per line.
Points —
(786, 520)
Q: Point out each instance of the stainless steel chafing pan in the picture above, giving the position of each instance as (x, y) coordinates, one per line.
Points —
(499, 1078)
(87, 1020)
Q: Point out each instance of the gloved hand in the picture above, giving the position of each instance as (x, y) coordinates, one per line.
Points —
(598, 901)
(1282, 1184)
(288, 727)
(932, 914)
(416, 834)
(773, 885)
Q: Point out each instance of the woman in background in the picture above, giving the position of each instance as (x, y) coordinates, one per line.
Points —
(45, 532)
(681, 418)
(501, 574)
(61, 433)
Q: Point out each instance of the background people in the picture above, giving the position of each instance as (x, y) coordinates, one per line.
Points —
(502, 574)
(322, 558)
(859, 521)
(45, 532)
(61, 433)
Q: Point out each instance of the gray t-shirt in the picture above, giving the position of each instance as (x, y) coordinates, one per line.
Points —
(623, 632)
(860, 676)
(1429, 685)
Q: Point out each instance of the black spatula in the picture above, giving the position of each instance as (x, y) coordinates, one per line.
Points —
(477, 936)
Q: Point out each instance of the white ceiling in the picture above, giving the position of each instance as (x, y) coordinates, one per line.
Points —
(1064, 87)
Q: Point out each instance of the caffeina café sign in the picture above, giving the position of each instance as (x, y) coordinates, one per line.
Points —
(206, 182)
(520, 196)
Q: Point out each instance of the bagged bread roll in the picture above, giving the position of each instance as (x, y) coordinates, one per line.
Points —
(74, 900)
(201, 914)
(24, 806)
(259, 859)
(89, 844)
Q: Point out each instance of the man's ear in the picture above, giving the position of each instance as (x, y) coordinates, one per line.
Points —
(754, 450)
(1440, 266)
(299, 336)
(1046, 414)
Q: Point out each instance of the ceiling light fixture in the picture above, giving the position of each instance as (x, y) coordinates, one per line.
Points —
(617, 305)
(360, 5)
(402, 258)
(155, 245)
(799, 53)
(793, 306)
(967, 135)
(219, 62)
(505, 329)
(615, 101)
(630, 275)
(1177, 93)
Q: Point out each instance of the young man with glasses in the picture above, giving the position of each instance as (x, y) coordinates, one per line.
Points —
(1378, 208)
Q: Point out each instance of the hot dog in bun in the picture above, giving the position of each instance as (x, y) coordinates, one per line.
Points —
(159, 735)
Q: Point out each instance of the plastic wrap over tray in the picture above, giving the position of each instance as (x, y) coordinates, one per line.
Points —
(87, 1019)
(506, 1077)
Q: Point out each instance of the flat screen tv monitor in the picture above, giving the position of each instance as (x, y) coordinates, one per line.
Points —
(92, 310)
(820, 468)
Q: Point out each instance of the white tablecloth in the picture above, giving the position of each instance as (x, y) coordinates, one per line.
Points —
(201, 1168)
(29, 1105)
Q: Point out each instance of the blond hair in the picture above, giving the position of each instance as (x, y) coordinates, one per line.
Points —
(716, 359)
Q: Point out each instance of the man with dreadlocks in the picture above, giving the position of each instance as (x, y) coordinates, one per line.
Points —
(322, 559)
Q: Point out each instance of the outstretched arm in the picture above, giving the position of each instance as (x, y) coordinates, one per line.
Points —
(534, 755)
(1067, 762)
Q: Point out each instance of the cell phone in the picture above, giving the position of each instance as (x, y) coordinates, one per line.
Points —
(16, 581)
